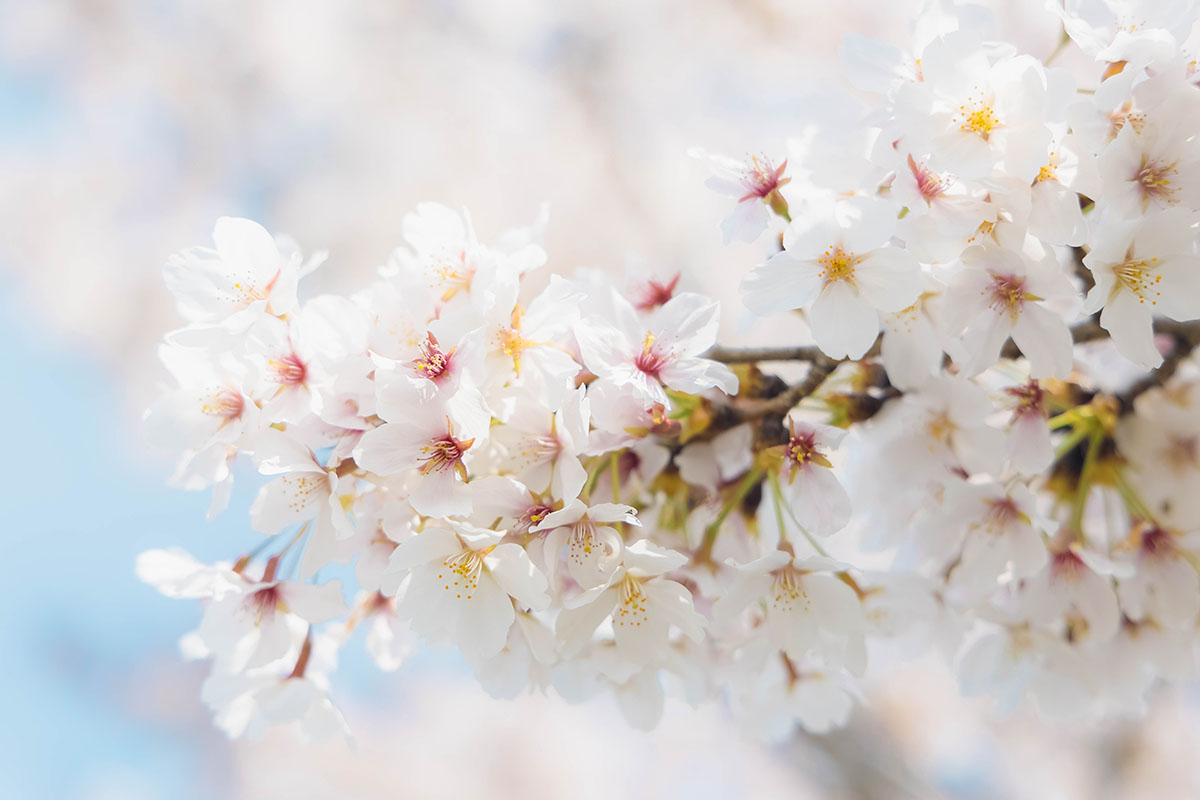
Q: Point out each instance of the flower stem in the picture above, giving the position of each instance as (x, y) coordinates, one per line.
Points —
(752, 478)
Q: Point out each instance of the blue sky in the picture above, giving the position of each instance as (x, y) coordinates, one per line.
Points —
(81, 634)
(75, 619)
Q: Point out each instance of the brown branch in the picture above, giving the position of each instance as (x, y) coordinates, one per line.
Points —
(1185, 334)
(748, 355)
(784, 402)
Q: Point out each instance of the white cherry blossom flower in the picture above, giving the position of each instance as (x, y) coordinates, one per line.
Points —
(445, 256)
(998, 534)
(245, 705)
(911, 348)
(1029, 447)
(774, 696)
(464, 584)
(642, 604)
(1072, 595)
(661, 352)
(1156, 164)
(1164, 588)
(807, 609)
(245, 275)
(942, 212)
(265, 620)
(432, 439)
(593, 546)
(719, 462)
(1144, 267)
(304, 491)
(844, 269)
(210, 417)
(754, 183)
(620, 416)
(1161, 441)
(541, 448)
(997, 295)
(973, 115)
(817, 500)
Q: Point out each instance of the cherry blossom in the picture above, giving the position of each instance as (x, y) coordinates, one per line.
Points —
(643, 606)
(976, 439)
(1144, 267)
(245, 274)
(844, 269)
(464, 583)
(660, 353)
(755, 184)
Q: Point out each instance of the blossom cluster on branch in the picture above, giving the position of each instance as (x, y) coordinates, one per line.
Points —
(993, 449)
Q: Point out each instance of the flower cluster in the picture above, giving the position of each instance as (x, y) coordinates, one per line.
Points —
(564, 479)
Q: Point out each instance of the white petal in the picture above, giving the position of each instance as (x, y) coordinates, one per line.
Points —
(836, 605)
(431, 544)
(314, 602)
(694, 375)
(441, 494)
(575, 626)
(818, 500)
(515, 573)
(746, 222)
(1132, 329)
(780, 284)
(844, 325)
(483, 620)
(176, 574)
(287, 500)
(645, 558)
(1045, 340)
(389, 449)
(675, 604)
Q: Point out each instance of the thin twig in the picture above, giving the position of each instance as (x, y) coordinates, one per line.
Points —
(787, 400)
(749, 355)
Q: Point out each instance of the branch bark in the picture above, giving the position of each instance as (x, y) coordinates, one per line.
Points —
(1185, 334)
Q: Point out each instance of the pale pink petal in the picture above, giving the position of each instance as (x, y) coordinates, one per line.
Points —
(780, 284)
(844, 324)
(512, 569)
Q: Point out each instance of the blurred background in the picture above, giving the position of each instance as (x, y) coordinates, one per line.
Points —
(128, 126)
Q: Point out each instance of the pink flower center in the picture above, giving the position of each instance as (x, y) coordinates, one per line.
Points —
(1155, 181)
(801, 451)
(263, 603)
(652, 358)
(1007, 294)
(443, 453)
(432, 363)
(761, 178)
(1002, 512)
(655, 294)
(1030, 397)
(929, 184)
(1066, 564)
(226, 403)
(531, 516)
(289, 370)
(1158, 542)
